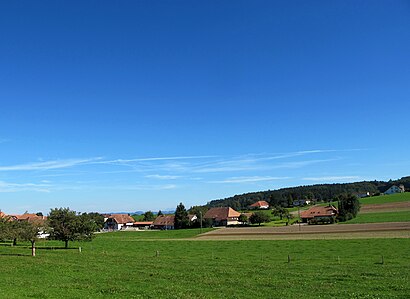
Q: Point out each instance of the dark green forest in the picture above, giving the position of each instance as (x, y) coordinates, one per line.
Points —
(321, 193)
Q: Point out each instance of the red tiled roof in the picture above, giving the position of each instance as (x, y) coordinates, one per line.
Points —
(143, 222)
(164, 220)
(121, 218)
(259, 204)
(32, 218)
(319, 211)
(221, 213)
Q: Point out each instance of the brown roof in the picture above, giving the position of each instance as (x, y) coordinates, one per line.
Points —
(143, 222)
(122, 218)
(2, 214)
(317, 211)
(259, 204)
(32, 218)
(164, 220)
(221, 213)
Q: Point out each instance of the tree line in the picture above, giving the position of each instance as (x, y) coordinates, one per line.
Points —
(62, 224)
(321, 192)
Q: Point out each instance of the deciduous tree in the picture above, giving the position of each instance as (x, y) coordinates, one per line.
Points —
(65, 225)
(259, 217)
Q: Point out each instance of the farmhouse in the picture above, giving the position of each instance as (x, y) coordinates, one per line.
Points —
(164, 222)
(394, 189)
(32, 218)
(319, 214)
(118, 222)
(260, 205)
(143, 224)
(222, 216)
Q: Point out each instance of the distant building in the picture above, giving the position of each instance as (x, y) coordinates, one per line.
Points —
(118, 222)
(301, 202)
(165, 222)
(394, 189)
(143, 224)
(319, 214)
(362, 195)
(222, 216)
(260, 205)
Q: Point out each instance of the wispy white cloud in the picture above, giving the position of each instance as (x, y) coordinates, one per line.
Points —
(300, 164)
(331, 178)
(47, 165)
(17, 187)
(251, 179)
(4, 140)
(151, 187)
(163, 177)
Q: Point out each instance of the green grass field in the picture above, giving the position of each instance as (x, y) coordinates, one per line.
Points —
(400, 216)
(386, 198)
(126, 265)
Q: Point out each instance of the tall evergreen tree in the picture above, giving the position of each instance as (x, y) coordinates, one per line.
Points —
(181, 217)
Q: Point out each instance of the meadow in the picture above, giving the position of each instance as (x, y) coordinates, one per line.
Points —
(381, 199)
(172, 264)
(400, 216)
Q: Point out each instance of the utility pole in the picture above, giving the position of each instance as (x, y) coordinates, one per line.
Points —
(299, 216)
(200, 213)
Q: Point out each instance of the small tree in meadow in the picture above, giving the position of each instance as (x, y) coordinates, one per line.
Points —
(65, 225)
(259, 217)
(349, 206)
(243, 219)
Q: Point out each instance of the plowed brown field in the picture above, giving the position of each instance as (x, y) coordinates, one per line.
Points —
(334, 231)
(385, 207)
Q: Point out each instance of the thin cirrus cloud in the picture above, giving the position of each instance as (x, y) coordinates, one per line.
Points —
(251, 179)
(47, 165)
(17, 187)
(178, 166)
(331, 178)
(163, 177)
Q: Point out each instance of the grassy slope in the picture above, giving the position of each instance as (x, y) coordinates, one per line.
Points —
(401, 216)
(386, 198)
(116, 265)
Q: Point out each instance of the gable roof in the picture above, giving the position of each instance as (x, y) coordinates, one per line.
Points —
(319, 211)
(32, 218)
(260, 203)
(143, 223)
(222, 213)
(164, 220)
(122, 218)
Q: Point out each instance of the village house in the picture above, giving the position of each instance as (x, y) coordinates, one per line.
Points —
(165, 222)
(301, 202)
(118, 222)
(222, 216)
(261, 204)
(394, 189)
(143, 224)
(319, 214)
(38, 220)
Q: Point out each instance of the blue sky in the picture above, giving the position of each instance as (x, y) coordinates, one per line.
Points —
(138, 105)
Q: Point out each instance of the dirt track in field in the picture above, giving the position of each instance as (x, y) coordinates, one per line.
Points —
(386, 207)
(294, 232)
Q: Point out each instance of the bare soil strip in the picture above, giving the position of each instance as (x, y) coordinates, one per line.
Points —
(296, 232)
(386, 207)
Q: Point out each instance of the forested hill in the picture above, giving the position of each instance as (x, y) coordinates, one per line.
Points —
(322, 192)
